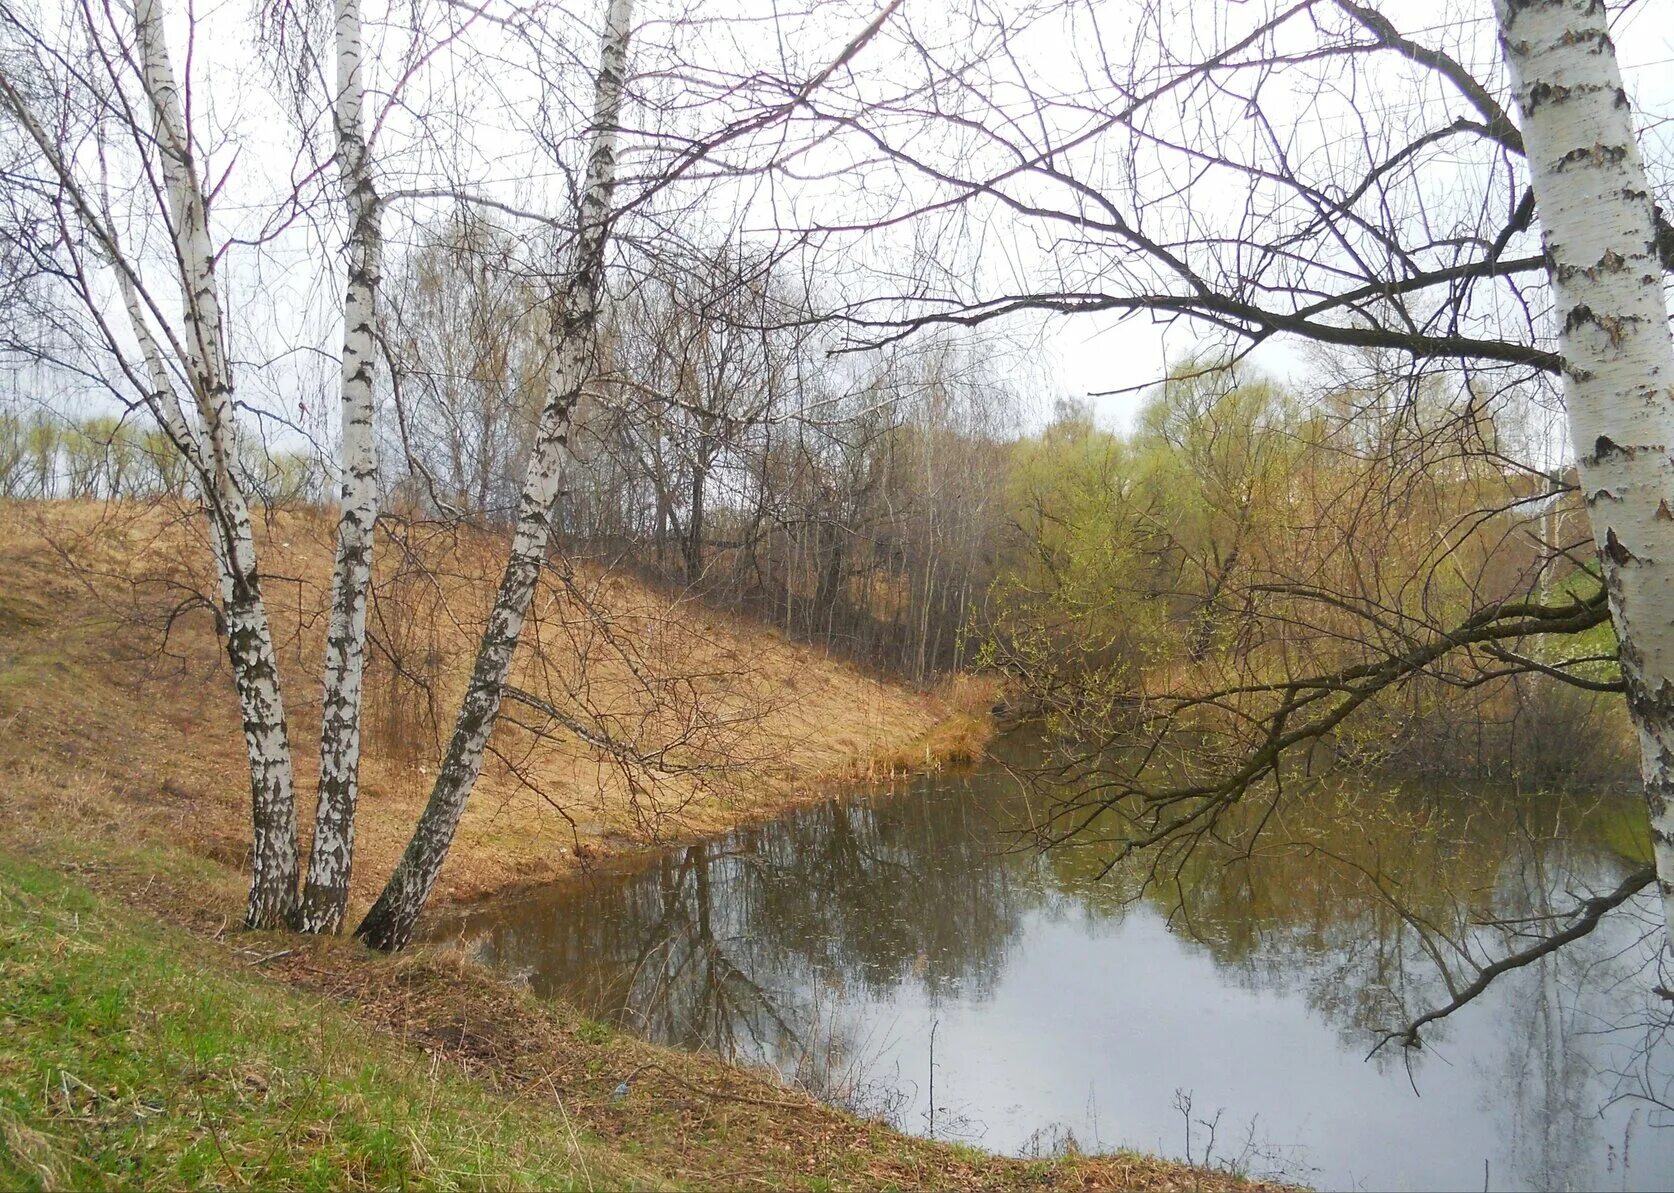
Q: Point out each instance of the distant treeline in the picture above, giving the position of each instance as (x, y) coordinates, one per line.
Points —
(1238, 534)
(45, 455)
(892, 504)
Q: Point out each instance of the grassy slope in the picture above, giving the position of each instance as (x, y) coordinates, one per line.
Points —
(142, 1043)
(132, 1055)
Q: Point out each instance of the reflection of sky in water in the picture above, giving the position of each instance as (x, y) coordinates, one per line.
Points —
(831, 943)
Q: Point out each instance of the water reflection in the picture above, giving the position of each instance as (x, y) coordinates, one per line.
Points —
(830, 944)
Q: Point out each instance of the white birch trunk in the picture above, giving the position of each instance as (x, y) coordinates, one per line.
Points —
(1600, 233)
(325, 893)
(164, 404)
(274, 858)
(389, 925)
(209, 448)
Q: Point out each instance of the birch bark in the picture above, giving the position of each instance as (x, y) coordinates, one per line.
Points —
(325, 893)
(1600, 234)
(389, 925)
(274, 856)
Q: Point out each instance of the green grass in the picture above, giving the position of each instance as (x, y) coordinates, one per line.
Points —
(133, 1055)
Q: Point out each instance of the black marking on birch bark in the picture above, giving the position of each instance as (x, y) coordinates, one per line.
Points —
(1665, 231)
(1579, 316)
(1606, 448)
(1617, 550)
(1596, 154)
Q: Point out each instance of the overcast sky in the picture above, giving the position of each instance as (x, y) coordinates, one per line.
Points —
(1091, 354)
(478, 108)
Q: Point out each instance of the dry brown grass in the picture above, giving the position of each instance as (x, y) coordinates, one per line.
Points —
(958, 738)
(117, 708)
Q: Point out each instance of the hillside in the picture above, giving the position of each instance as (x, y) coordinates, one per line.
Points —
(120, 716)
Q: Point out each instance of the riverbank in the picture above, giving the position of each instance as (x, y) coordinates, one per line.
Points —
(147, 1046)
(145, 1042)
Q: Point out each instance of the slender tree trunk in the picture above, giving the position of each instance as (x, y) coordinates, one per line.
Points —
(325, 894)
(693, 544)
(390, 923)
(274, 856)
(1600, 234)
(211, 453)
(830, 584)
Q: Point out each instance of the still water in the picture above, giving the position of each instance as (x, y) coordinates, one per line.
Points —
(880, 947)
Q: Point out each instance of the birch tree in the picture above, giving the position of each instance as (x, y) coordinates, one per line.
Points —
(390, 922)
(195, 351)
(204, 431)
(326, 892)
(274, 864)
(1599, 230)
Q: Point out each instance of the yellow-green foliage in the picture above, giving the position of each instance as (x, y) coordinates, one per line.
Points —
(1240, 537)
(1128, 546)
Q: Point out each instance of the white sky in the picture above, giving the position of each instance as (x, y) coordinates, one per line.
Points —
(1091, 354)
(473, 118)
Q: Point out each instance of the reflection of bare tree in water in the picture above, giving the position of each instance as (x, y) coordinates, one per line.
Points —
(755, 945)
(1569, 1041)
(685, 986)
(780, 944)
(1549, 1074)
(1380, 918)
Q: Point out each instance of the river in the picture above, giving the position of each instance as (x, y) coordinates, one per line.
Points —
(900, 953)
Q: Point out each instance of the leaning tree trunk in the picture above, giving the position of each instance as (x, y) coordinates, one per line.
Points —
(389, 925)
(1600, 234)
(274, 859)
(325, 895)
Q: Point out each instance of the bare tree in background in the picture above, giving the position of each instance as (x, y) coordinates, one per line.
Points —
(713, 350)
(463, 324)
